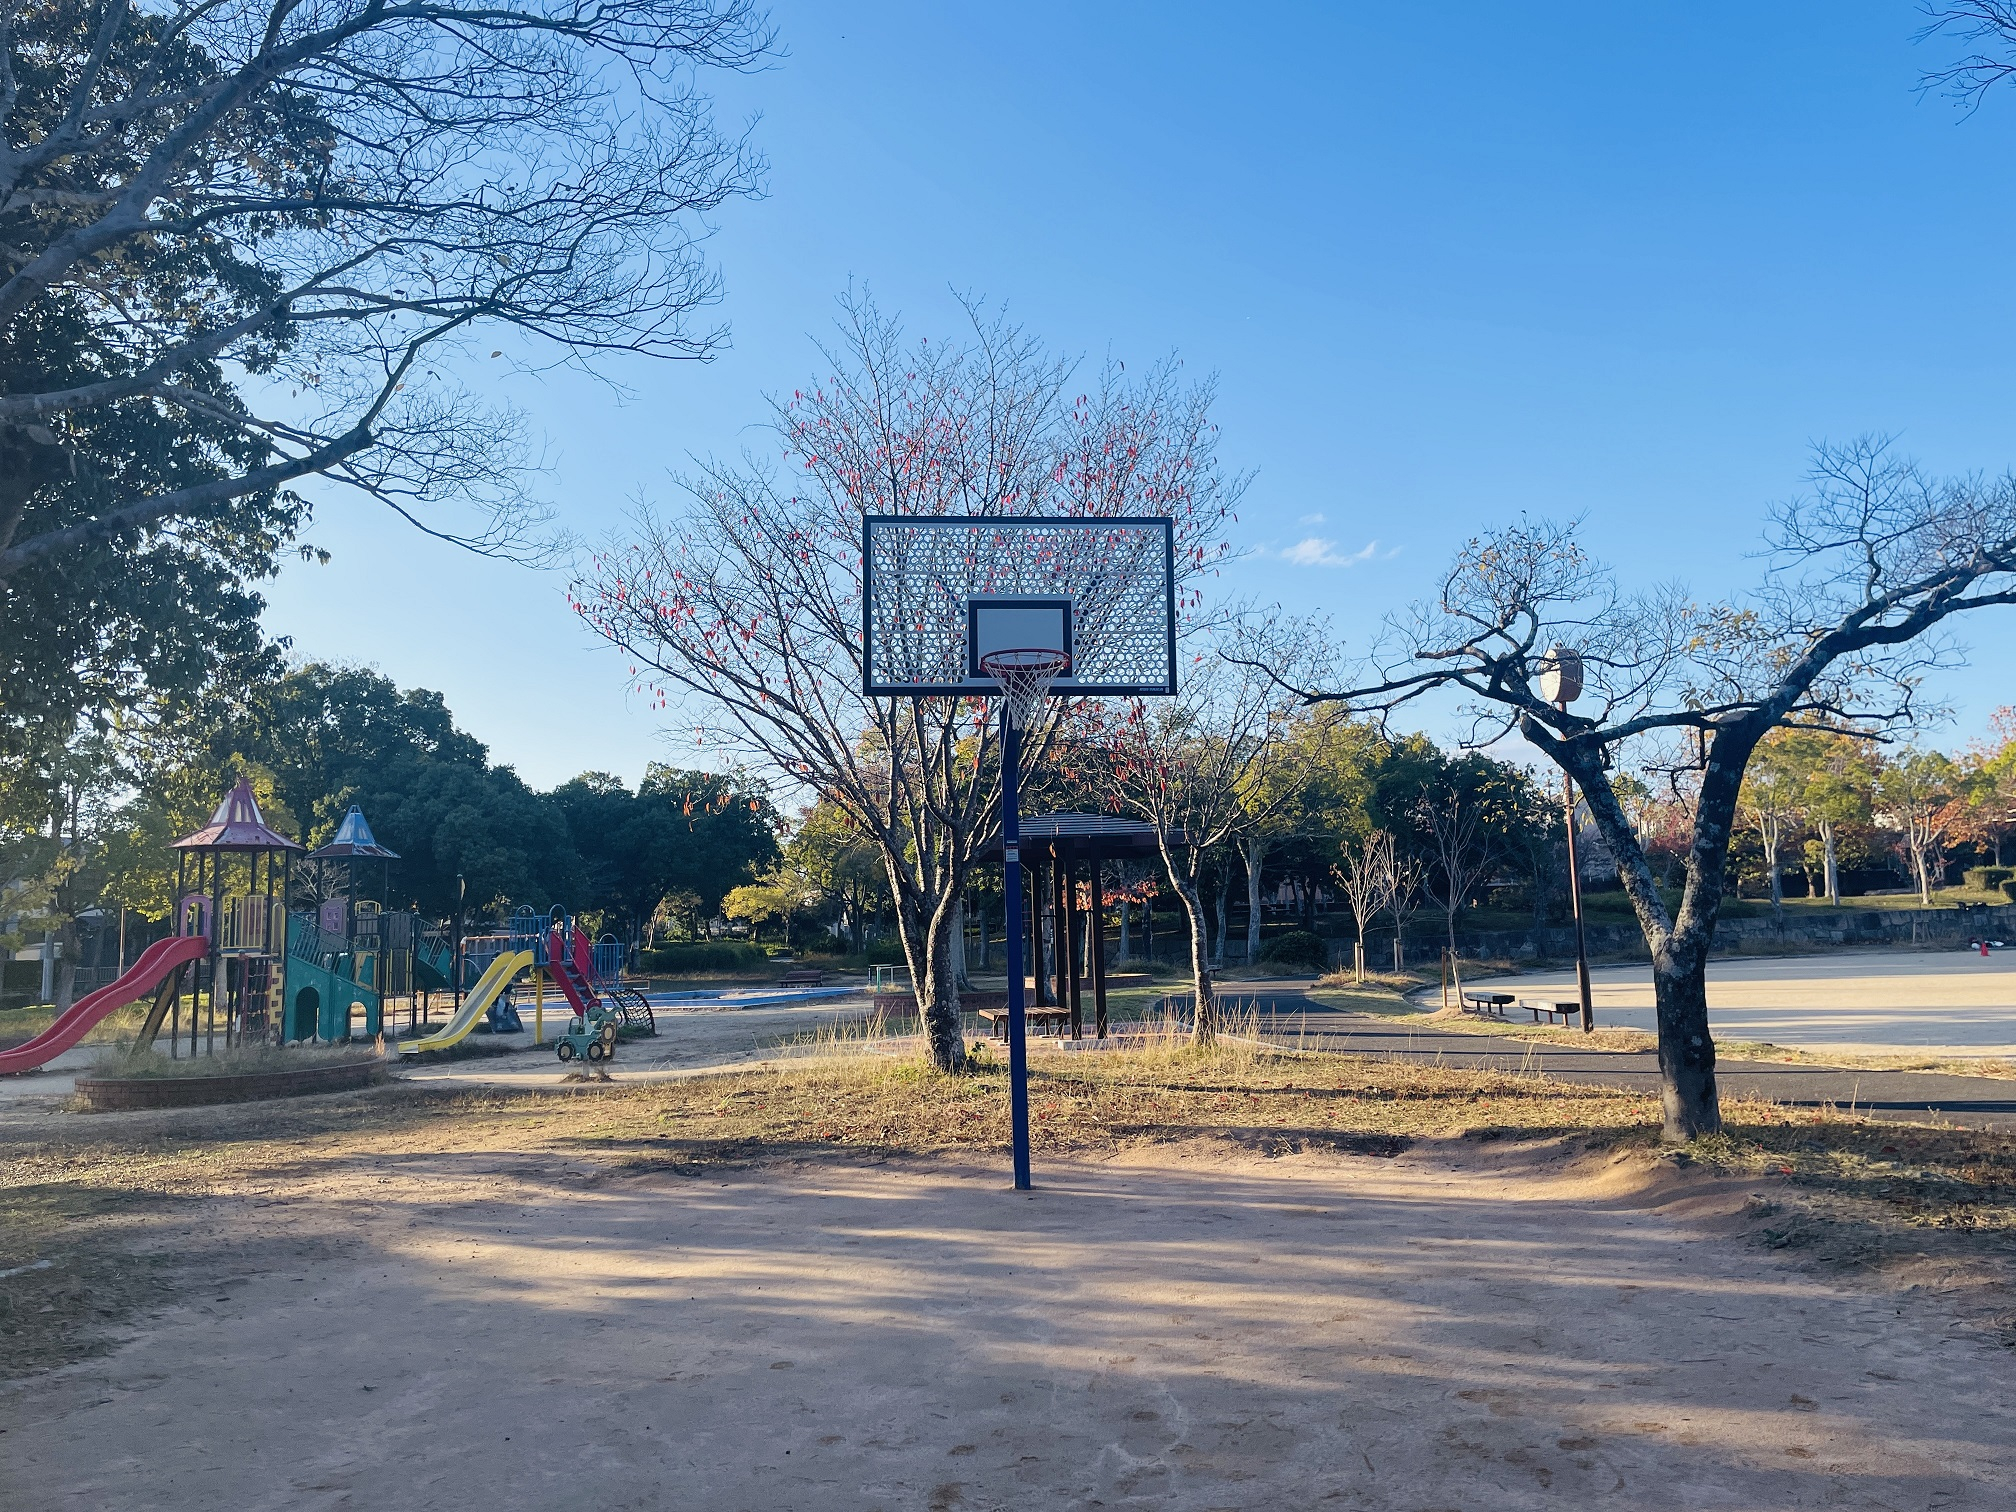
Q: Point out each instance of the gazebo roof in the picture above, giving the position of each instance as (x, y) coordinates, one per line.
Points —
(1081, 837)
(237, 825)
(353, 839)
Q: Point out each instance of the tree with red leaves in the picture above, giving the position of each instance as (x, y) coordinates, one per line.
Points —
(742, 605)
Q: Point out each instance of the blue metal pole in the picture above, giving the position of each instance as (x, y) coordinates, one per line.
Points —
(1011, 882)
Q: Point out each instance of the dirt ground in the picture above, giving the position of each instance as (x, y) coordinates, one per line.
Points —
(1462, 1325)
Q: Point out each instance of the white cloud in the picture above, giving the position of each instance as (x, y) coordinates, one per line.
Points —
(1318, 551)
(1310, 519)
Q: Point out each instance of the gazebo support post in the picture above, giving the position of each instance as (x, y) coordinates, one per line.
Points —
(1037, 971)
(1098, 923)
(1068, 955)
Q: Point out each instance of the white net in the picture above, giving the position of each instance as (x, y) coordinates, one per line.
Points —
(1025, 678)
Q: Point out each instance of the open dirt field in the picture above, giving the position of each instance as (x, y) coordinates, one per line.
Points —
(467, 1314)
(1953, 1002)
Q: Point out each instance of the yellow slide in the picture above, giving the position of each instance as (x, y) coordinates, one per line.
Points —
(474, 1006)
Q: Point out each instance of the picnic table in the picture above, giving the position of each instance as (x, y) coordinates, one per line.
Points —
(1056, 1019)
(1491, 1004)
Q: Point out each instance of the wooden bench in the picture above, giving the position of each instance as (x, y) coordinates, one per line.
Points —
(1490, 1004)
(1563, 1011)
(804, 976)
(1056, 1019)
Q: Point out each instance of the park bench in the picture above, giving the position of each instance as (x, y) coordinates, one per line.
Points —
(1490, 1004)
(1057, 1020)
(804, 976)
(1566, 1012)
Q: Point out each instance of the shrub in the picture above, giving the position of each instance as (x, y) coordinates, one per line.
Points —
(1296, 950)
(2009, 890)
(1988, 878)
(713, 955)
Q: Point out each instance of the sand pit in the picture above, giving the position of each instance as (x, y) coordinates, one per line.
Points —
(1205, 1331)
(1956, 1002)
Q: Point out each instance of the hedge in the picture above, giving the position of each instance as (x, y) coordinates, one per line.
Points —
(1988, 878)
(717, 955)
(1297, 948)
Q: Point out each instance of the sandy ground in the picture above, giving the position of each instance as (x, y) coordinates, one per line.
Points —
(506, 1331)
(1959, 1002)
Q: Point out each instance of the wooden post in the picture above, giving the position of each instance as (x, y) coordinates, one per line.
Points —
(1098, 948)
(1036, 971)
(1068, 955)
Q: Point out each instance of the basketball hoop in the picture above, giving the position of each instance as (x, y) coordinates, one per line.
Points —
(1025, 675)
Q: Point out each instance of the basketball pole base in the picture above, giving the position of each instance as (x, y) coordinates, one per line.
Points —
(1011, 881)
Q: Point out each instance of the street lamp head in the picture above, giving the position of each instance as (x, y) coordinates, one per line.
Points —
(1560, 671)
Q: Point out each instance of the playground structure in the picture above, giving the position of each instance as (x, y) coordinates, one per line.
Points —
(243, 967)
(552, 949)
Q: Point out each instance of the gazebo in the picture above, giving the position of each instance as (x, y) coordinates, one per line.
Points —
(1058, 850)
(248, 927)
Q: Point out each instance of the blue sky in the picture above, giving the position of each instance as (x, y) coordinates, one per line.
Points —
(1449, 264)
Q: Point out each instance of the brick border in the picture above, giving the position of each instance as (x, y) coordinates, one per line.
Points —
(118, 1094)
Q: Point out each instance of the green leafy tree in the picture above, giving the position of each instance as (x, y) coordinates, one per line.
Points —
(680, 832)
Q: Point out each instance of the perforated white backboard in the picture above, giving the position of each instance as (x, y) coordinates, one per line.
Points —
(941, 590)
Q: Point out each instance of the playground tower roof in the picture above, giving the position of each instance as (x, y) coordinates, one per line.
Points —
(353, 839)
(236, 826)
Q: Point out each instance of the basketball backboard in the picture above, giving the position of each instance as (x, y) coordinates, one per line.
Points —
(942, 591)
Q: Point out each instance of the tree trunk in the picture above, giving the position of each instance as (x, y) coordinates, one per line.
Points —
(1126, 939)
(927, 952)
(1687, 1093)
(1689, 1101)
(1833, 864)
(1204, 1028)
(1256, 852)
(1224, 908)
(66, 967)
(1769, 833)
(956, 945)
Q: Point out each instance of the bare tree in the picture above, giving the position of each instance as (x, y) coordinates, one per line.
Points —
(1866, 566)
(288, 219)
(1454, 821)
(745, 604)
(1192, 767)
(1367, 877)
(1405, 874)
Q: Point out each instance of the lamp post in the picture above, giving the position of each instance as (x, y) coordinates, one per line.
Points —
(1561, 685)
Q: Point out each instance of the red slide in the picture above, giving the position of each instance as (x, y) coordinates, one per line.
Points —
(572, 981)
(156, 962)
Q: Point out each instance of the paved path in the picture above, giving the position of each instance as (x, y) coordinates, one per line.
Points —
(1953, 1002)
(1288, 1018)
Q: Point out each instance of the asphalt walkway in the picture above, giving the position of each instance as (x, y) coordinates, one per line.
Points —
(1289, 1019)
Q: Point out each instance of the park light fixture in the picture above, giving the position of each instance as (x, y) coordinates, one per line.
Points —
(1561, 684)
